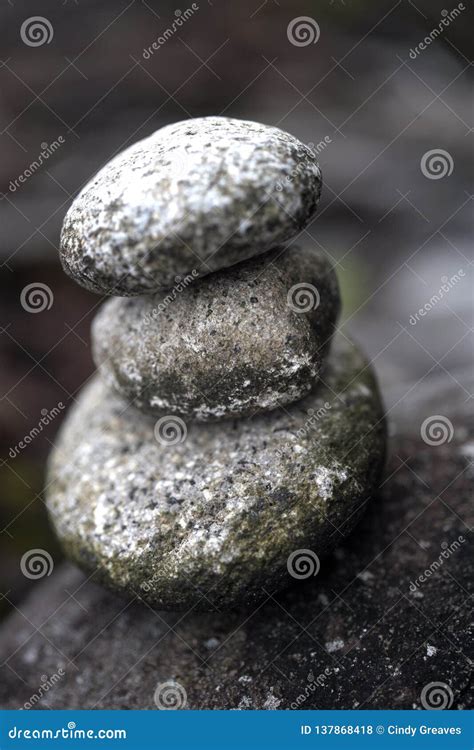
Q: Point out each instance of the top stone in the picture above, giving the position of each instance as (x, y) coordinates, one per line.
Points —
(198, 195)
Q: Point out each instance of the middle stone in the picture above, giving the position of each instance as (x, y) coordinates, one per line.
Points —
(236, 342)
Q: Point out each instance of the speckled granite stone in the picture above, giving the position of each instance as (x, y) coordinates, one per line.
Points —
(210, 514)
(201, 194)
(237, 342)
(356, 636)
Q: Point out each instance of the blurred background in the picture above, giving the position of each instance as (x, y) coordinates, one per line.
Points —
(391, 121)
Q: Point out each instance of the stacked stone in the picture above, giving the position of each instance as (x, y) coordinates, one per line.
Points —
(224, 444)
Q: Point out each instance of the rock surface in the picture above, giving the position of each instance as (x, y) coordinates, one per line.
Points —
(207, 515)
(201, 194)
(237, 342)
(355, 636)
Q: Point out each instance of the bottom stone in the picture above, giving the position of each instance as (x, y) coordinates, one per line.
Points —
(386, 624)
(216, 515)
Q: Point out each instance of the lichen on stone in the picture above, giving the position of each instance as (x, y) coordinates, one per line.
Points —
(201, 194)
(212, 520)
(228, 345)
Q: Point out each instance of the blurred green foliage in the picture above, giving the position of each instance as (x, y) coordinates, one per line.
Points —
(24, 520)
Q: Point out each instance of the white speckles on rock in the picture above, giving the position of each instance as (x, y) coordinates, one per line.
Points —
(271, 702)
(143, 219)
(245, 679)
(100, 514)
(211, 521)
(325, 478)
(228, 345)
(245, 703)
(366, 576)
(336, 645)
(211, 644)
